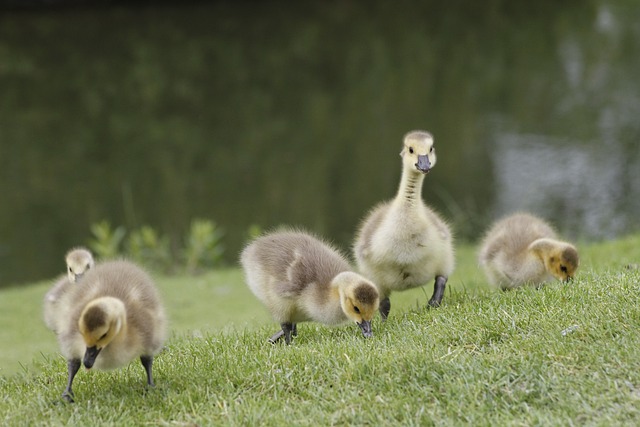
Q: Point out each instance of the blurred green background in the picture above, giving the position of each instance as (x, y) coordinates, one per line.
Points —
(268, 113)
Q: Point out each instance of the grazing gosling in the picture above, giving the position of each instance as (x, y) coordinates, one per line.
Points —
(523, 249)
(300, 278)
(402, 243)
(79, 261)
(115, 316)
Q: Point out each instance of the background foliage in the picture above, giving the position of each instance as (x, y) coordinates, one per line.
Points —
(201, 250)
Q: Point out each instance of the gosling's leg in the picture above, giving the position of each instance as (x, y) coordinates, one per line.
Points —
(288, 329)
(438, 291)
(72, 366)
(147, 362)
(384, 308)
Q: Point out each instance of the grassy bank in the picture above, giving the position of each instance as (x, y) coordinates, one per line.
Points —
(559, 355)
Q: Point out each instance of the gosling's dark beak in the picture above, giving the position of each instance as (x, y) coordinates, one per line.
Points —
(569, 279)
(366, 328)
(90, 356)
(423, 165)
(78, 277)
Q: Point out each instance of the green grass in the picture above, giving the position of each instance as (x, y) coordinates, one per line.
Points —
(561, 355)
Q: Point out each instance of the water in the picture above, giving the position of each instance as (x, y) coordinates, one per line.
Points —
(272, 114)
(588, 189)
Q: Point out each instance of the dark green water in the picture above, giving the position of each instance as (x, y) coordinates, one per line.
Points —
(291, 113)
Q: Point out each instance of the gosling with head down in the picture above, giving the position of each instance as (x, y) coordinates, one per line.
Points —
(403, 244)
(300, 278)
(523, 249)
(113, 318)
(79, 261)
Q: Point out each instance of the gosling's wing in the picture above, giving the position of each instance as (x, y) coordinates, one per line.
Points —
(369, 226)
(294, 261)
(513, 234)
(443, 229)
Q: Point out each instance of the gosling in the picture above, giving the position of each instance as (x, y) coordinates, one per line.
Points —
(402, 243)
(114, 316)
(300, 278)
(79, 261)
(523, 249)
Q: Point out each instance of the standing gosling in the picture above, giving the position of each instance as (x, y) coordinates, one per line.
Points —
(79, 261)
(300, 278)
(522, 248)
(402, 243)
(114, 317)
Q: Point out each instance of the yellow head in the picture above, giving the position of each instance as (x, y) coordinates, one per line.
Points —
(418, 151)
(79, 261)
(560, 258)
(359, 299)
(100, 322)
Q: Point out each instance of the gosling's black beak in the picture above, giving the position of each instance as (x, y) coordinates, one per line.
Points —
(423, 165)
(90, 356)
(366, 328)
(78, 277)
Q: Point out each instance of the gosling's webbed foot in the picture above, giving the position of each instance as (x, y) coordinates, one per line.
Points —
(438, 291)
(384, 308)
(276, 337)
(68, 396)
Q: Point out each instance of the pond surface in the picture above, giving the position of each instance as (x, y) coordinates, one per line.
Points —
(265, 114)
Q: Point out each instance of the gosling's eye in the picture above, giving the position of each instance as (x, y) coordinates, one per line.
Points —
(87, 267)
(103, 336)
(431, 149)
(356, 309)
(411, 150)
(563, 268)
(70, 271)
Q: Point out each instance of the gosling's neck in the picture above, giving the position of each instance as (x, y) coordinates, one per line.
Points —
(338, 282)
(410, 190)
(117, 311)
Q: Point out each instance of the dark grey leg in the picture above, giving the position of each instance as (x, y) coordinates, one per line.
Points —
(385, 307)
(72, 365)
(147, 362)
(438, 291)
(287, 328)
